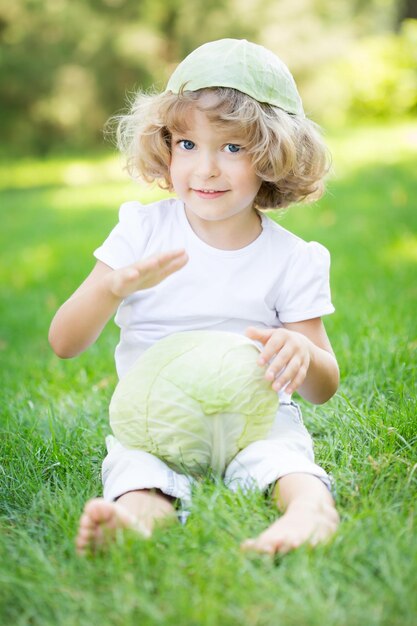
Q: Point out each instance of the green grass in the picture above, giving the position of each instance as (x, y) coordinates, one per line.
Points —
(54, 418)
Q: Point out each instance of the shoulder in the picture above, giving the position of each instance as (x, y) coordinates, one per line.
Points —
(291, 247)
(138, 224)
(303, 288)
(133, 213)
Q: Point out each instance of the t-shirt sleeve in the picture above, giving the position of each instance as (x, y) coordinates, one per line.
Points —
(127, 241)
(305, 293)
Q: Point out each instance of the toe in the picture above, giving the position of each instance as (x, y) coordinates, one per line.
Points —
(81, 544)
(98, 510)
(248, 544)
(256, 545)
(86, 522)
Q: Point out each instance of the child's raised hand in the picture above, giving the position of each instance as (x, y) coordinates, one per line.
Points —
(145, 273)
(288, 354)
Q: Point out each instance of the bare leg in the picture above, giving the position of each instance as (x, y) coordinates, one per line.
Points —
(139, 511)
(309, 516)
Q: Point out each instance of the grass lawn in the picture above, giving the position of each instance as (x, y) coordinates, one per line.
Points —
(54, 418)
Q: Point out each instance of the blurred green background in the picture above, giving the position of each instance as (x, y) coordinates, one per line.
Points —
(67, 65)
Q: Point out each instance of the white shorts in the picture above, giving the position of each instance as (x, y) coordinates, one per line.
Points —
(287, 449)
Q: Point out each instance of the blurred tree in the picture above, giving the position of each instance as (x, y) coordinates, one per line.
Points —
(65, 65)
(408, 9)
(376, 79)
(60, 67)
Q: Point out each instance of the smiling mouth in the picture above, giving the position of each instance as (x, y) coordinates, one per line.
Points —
(210, 194)
(210, 190)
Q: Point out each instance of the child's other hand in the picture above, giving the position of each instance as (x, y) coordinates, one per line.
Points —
(288, 354)
(145, 273)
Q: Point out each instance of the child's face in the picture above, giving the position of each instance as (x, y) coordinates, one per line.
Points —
(211, 172)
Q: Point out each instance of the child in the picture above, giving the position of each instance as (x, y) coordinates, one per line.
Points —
(230, 138)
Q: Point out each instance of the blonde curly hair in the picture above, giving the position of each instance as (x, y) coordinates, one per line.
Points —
(287, 151)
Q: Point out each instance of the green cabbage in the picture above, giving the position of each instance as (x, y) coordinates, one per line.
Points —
(194, 399)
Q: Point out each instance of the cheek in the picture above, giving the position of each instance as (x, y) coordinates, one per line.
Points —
(251, 183)
(176, 165)
(248, 176)
(173, 168)
(256, 180)
(176, 175)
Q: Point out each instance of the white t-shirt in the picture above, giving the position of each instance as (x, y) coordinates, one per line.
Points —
(275, 279)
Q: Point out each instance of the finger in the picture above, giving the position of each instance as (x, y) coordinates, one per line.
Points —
(297, 380)
(173, 266)
(177, 262)
(259, 334)
(273, 347)
(167, 257)
(293, 373)
(279, 362)
(159, 260)
(169, 261)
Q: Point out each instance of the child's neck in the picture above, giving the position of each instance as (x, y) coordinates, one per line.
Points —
(229, 234)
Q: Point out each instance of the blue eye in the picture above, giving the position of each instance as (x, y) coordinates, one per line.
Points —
(232, 148)
(186, 144)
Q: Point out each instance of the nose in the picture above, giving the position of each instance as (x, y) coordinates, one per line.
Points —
(207, 165)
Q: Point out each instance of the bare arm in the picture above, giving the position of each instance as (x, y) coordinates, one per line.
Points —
(300, 354)
(81, 319)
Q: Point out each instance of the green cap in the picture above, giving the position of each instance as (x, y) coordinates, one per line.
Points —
(241, 65)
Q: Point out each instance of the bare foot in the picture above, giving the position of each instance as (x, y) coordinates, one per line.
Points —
(301, 523)
(102, 519)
